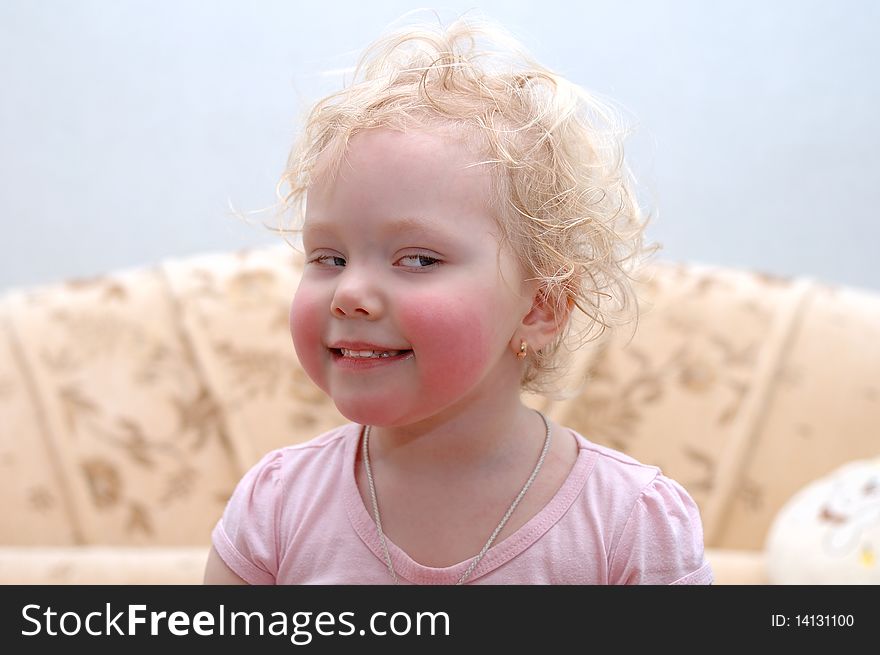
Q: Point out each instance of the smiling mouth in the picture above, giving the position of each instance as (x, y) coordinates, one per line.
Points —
(367, 354)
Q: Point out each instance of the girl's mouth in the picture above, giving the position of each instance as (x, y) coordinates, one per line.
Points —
(361, 354)
(367, 358)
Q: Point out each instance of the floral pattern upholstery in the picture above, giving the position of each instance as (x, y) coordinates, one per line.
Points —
(131, 403)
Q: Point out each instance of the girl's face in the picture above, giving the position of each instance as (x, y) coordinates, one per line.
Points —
(402, 255)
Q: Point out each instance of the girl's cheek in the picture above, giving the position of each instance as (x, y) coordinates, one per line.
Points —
(451, 338)
(306, 327)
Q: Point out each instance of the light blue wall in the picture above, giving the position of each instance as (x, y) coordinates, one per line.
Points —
(127, 127)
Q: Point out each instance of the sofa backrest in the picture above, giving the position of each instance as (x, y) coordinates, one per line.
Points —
(131, 403)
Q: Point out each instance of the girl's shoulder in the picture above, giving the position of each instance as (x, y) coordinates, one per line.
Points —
(608, 462)
(292, 472)
(327, 446)
(637, 507)
(333, 438)
(623, 482)
(311, 463)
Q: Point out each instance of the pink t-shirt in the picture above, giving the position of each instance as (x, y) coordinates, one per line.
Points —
(297, 517)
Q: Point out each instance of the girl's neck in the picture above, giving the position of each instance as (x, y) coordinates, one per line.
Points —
(479, 436)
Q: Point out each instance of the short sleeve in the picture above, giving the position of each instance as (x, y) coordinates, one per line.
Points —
(245, 537)
(662, 541)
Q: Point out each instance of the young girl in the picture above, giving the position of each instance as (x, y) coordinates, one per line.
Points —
(462, 205)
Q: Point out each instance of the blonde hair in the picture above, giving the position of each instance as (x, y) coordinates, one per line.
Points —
(564, 197)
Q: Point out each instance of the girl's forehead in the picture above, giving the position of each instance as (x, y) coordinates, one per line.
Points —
(393, 182)
(413, 167)
(442, 145)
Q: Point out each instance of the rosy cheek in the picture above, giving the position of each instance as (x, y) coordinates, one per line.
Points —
(307, 316)
(451, 340)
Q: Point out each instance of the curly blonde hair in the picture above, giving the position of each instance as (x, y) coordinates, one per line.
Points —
(563, 195)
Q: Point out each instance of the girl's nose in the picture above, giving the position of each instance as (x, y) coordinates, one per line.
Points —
(355, 297)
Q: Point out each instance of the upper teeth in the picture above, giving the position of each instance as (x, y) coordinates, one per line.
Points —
(369, 353)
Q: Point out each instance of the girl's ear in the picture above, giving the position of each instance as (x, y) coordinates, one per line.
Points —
(545, 319)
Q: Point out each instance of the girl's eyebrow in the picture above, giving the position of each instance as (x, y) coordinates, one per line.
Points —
(402, 225)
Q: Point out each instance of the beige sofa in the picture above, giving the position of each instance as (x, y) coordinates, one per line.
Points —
(131, 403)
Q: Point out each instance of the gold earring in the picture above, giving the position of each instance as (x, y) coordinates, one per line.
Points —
(522, 349)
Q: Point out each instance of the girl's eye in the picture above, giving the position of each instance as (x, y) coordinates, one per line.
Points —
(423, 261)
(333, 260)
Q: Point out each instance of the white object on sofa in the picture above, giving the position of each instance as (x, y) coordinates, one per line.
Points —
(829, 532)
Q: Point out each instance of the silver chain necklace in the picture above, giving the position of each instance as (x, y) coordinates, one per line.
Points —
(476, 560)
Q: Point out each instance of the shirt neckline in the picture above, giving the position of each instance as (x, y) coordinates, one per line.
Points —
(501, 552)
